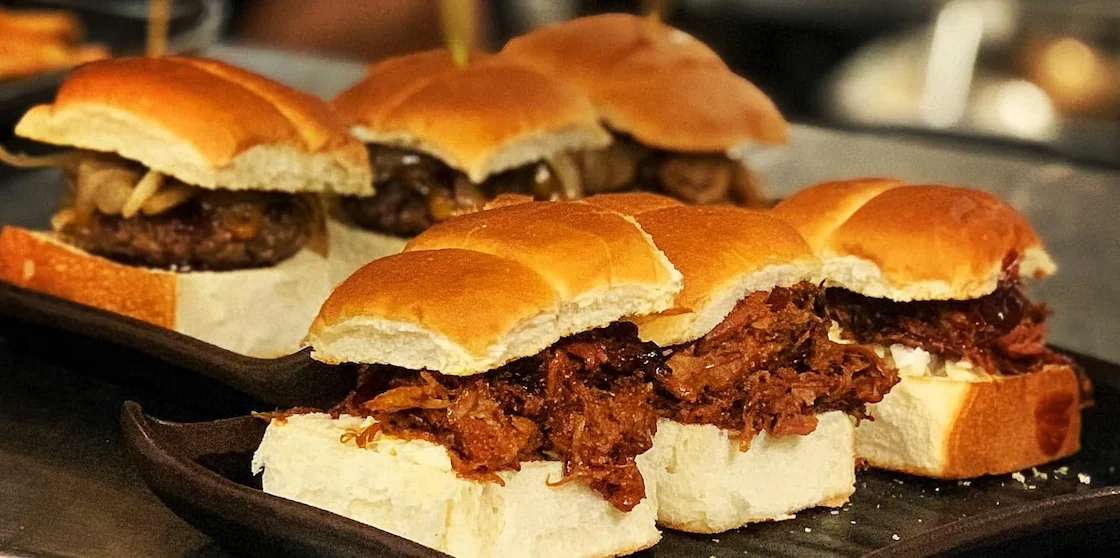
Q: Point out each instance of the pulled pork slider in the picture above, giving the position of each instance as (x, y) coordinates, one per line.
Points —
(444, 140)
(501, 404)
(191, 199)
(756, 404)
(931, 278)
(682, 120)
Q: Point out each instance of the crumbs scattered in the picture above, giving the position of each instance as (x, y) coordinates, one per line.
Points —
(1062, 471)
(835, 512)
(919, 520)
(1084, 479)
(895, 537)
(1019, 477)
(1039, 474)
(899, 481)
(808, 530)
(715, 541)
(964, 483)
(853, 522)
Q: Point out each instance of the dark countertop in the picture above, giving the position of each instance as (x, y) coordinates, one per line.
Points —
(67, 487)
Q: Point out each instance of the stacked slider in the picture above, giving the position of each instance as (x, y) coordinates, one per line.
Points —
(931, 276)
(191, 201)
(756, 403)
(444, 140)
(682, 121)
(502, 403)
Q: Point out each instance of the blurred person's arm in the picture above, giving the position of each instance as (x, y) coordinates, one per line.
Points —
(362, 29)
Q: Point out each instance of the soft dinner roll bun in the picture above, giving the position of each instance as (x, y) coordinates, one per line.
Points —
(481, 290)
(724, 253)
(352, 247)
(481, 119)
(705, 484)
(943, 427)
(206, 123)
(886, 240)
(633, 203)
(409, 488)
(256, 312)
(655, 83)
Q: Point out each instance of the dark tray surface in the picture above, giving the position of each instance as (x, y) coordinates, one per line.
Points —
(201, 471)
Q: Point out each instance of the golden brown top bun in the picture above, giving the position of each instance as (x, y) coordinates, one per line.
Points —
(724, 253)
(882, 238)
(655, 83)
(480, 290)
(33, 41)
(481, 119)
(633, 203)
(40, 25)
(206, 123)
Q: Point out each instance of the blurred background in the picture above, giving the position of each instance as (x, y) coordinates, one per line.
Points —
(1040, 73)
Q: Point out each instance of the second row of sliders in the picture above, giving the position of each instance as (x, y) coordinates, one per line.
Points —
(202, 198)
(561, 378)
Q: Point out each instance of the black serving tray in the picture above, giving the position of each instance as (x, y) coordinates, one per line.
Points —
(201, 471)
(287, 381)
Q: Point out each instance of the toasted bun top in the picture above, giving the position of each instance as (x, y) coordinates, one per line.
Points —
(724, 253)
(653, 82)
(205, 123)
(579, 248)
(884, 239)
(633, 203)
(481, 119)
(478, 291)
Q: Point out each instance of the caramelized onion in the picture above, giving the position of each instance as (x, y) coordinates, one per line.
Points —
(167, 198)
(145, 189)
(32, 161)
(568, 176)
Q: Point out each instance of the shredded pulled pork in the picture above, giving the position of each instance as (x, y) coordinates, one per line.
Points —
(585, 401)
(770, 367)
(1003, 332)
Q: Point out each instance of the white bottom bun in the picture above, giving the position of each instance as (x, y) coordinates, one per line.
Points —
(705, 484)
(936, 426)
(351, 248)
(408, 488)
(262, 312)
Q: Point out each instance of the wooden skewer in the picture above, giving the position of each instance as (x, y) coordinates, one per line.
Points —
(159, 13)
(458, 22)
(657, 10)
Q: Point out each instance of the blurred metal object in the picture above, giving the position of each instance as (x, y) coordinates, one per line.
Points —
(1042, 72)
(954, 46)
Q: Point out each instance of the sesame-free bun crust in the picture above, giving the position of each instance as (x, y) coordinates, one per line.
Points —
(206, 123)
(655, 83)
(481, 290)
(941, 428)
(481, 119)
(887, 240)
(724, 253)
(256, 312)
(633, 203)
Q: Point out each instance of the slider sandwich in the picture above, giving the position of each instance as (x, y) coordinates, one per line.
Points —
(191, 200)
(682, 121)
(444, 140)
(931, 277)
(756, 404)
(502, 403)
